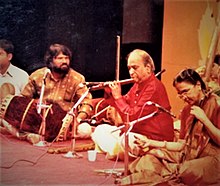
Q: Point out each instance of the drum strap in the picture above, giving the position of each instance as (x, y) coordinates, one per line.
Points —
(43, 122)
(25, 113)
(98, 104)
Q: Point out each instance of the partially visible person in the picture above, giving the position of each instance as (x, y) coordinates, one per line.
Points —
(195, 158)
(215, 73)
(215, 67)
(12, 78)
(63, 86)
(134, 105)
(214, 80)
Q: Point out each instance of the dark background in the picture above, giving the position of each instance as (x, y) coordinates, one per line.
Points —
(88, 27)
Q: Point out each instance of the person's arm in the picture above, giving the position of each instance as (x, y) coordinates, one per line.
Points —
(122, 102)
(172, 146)
(23, 80)
(29, 89)
(213, 131)
(85, 108)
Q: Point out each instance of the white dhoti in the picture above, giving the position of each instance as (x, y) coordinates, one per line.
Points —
(111, 142)
(105, 140)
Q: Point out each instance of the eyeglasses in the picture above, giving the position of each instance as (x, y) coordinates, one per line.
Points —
(185, 92)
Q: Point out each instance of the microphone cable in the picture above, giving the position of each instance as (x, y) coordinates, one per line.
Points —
(112, 170)
(117, 157)
(25, 160)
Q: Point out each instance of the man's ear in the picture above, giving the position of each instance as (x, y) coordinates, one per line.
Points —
(148, 67)
(10, 55)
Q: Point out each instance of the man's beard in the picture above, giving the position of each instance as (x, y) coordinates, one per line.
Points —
(63, 69)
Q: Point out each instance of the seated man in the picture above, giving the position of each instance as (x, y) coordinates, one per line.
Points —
(63, 88)
(12, 78)
(140, 101)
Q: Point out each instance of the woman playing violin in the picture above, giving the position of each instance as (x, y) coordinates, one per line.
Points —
(195, 158)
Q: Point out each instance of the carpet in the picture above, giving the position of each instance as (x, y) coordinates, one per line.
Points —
(25, 164)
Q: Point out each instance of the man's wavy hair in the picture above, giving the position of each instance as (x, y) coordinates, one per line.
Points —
(53, 51)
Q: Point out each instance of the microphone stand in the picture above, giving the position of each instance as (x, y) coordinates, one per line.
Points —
(72, 116)
(93, 120)
(126, 138)
(40, 107)
(126, 156)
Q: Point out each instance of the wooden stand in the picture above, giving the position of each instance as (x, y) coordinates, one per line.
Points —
(126, 156)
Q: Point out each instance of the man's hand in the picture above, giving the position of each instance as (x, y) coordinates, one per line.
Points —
(115, 89)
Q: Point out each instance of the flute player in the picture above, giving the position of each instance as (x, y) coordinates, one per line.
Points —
(133, 106)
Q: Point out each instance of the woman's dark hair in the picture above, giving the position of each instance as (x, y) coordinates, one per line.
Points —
(54, 50)
(7, 46)
(190, 76)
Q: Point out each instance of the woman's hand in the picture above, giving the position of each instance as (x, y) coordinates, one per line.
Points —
(214, 132)
(198, 113)
(142, 142)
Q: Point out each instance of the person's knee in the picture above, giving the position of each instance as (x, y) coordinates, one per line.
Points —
(84, 130)
(105, 140)
(102, 131)
(200, 171)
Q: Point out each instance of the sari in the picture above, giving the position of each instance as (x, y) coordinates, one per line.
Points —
(197, 164)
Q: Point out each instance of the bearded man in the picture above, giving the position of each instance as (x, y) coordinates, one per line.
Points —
(63, 86)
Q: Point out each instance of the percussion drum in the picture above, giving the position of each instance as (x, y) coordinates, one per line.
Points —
(21, 112)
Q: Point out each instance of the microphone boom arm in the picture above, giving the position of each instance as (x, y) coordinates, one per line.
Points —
(135, 121)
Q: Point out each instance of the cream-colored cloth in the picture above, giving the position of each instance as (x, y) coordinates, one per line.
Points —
(112, 142)
(105, 140)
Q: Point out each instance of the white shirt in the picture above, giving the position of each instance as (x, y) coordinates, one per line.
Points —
(16, 76)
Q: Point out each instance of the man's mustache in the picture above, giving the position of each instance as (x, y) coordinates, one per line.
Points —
(64, 64)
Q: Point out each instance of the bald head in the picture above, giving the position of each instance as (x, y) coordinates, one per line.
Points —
(142, 55)
(140, 65)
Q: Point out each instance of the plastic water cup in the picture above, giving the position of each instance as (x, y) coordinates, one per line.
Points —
(92, 155)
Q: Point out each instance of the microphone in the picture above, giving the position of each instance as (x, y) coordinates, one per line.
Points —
(162, 71)
(161, 108)
(40, 102)
(46, 72)
(93, 121)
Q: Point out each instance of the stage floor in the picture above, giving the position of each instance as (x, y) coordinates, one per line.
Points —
(25, 164)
